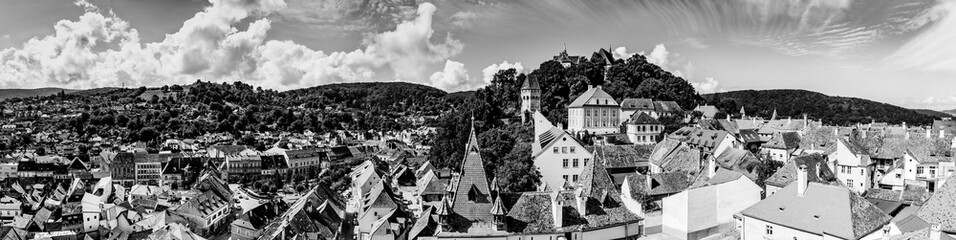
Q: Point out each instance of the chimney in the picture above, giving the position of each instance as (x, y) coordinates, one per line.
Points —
(802, 180)
(942, 133)
(935, 232)
(647, 182)
(557, 210)
(927, 133)
(711, 167)
(836, 132)
(590, 86)
(906, 135)
(788, 120)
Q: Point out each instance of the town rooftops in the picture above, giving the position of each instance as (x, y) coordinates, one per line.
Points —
(621, 156)
(822, 209)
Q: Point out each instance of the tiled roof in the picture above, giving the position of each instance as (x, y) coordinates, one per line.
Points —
(530, 83)
(817, 171)
(642, 118)
(911, 196)
(619, 156)
(739, 160)
(939, 208)
(473, 178)
(667, 106)
(844, 214)
(672, 155)
(911, 223)
(784, 140)
(721, 176)
(750, 136)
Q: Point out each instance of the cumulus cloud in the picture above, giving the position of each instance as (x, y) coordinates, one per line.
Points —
(709, 85)
(658, 56)
(454, 77)
(932, 102)
(489, 72)
(209, 47)
(621, 53)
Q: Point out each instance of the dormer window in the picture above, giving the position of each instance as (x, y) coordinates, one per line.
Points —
(473, 194)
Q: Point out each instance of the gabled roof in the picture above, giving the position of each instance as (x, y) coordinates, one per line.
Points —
(592, 93)
(667, 106)
(621, 156)
(822, 209)
(739, 160)
(939, 208)
(673, 155)
(784, 140)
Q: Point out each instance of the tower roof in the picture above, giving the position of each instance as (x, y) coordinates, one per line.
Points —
(530, 83)
(472, 194)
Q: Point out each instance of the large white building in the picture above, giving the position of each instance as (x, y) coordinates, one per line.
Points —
(852, 165)
(595, 111)
(558, 156)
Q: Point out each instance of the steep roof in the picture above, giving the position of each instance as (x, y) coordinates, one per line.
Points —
(667, 106)
(473, 178)
(823, 209)
(784, 140)
(739, 160)
(592, 93)
(530, 83)
(939, 208)
(620, 156)
(673, 155)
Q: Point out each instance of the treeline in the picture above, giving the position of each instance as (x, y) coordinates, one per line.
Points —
(831, 109)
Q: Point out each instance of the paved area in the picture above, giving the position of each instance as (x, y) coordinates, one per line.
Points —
(245, 201)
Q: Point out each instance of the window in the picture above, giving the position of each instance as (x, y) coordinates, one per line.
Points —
(932, 170)
(769, 230)
(849, 182)
(565, 163)
(565, 177)
(575, 163)
(586, 161)
(572, 149)
(861, 172)
(555, 149)
(919, 170)
(575, 177)
(564, 149)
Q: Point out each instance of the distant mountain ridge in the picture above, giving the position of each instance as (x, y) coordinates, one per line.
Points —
(22, 93)
(831, 109)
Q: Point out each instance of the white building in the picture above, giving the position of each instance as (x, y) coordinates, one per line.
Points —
(708, 206)
(558, 156)
(852, 165)
(642, 129)
(595, 111)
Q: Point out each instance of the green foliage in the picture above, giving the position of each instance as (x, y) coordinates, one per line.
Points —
(517, 172)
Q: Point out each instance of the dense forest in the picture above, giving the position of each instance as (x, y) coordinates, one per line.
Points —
(831, 109)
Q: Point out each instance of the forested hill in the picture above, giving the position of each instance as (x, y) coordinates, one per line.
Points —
(831, 109)
(22, 93)
(374, 96)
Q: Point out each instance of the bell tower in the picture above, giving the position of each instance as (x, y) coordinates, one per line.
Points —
(530, 98)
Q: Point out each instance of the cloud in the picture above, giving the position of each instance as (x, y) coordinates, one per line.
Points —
(5, 37)
(621, 53)
(463, 19)
(208, 47)
(932, 50)
(658, 56)
(709, 85)
(489, 72)
(454, 77)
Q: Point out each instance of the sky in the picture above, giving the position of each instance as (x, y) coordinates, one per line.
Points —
(901, 52)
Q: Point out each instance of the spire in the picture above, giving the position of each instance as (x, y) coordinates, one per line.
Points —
(498, 209)
(444, 209)
(472, 144)
(774, 116)
(743, 114)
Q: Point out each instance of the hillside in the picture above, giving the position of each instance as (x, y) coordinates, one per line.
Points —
(374, 96)
(933, 113)
(21, 93)
(831, 109)
(951, 112)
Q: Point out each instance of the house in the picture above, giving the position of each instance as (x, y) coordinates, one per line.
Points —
(595, 112)
(373, 207)
(710, 142)
(8, 168)
(250, 224)
(91, 212)
(642, 129)
(149, 167)
(558, 156)
(782, 146)
(817, 171)
(811, 210)
(708, 206)
(208, 210)
(9, 209)
(644, 193)
(566, 60)
(672, 155)
(853, 165)
(244, 165)
(364, 178)
(925, 169)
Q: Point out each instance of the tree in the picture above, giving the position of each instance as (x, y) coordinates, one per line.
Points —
(517, 172)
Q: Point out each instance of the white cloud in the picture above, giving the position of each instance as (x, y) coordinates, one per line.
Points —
(709, 85)
(658, 56)
(621, 53)
(454, 77)
(489, 72)
(932, 102)
(463, 19)
(209, 47)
